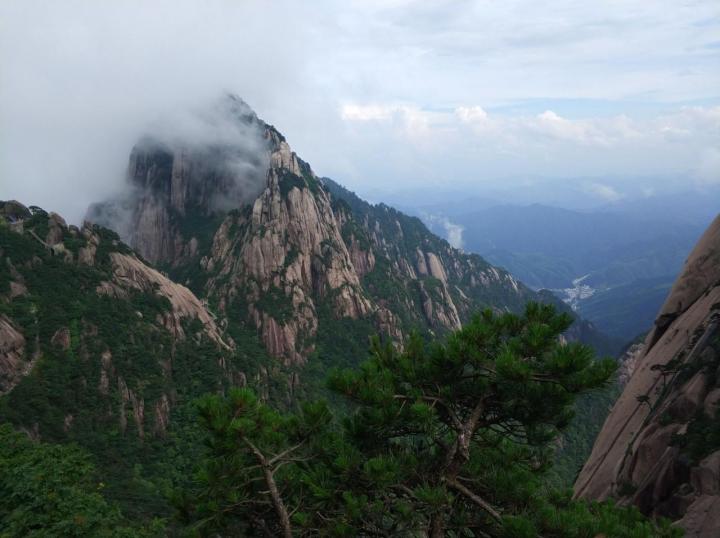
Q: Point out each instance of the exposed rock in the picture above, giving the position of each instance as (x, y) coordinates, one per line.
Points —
(17, 289)
(56, 229)
(13, 363)
(124, 399)
(701, 271)
(13, 211)
(712, 402)
(128, 396)
(86, 254)
(420, 263)
(291, 242)
(676, 371)
(436, 267)
(105, 372)
(131, 273)
(628, 362)
(702, 518)
(162, 415)
(61, 338)
(363, 260)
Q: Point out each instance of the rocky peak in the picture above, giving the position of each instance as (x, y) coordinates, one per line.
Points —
(289, 251)
(179, 178)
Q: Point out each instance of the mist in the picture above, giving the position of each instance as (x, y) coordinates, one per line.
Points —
(384, 97)
(83, 82)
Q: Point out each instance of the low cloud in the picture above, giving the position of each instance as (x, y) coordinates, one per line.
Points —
(708, 170)
(604, 192)
(222, 143)
(472, 144)
(379, 95)
(443, 226)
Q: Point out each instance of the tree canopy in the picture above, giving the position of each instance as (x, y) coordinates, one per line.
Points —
(450, 438)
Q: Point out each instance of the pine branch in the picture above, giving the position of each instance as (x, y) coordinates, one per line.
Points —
(476, 499)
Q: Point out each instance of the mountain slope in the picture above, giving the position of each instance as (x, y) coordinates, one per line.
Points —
(660, 446)
(596, 261)
(294, 258)
(248, 269)
(99, 348)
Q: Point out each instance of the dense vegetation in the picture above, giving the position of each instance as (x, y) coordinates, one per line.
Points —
(445, 439)
(377, 460)
(54, 490)
(104, 387)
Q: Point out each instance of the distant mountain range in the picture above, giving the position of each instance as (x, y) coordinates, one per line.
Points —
(614, 265)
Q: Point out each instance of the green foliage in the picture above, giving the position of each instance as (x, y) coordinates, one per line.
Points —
(288, 181)
(61, 398)
(52, 490)
(578, 438)
(254, 450)
(275, 303)
(442, 439)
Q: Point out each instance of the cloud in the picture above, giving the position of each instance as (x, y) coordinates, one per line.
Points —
(377, 94)
(355, 112)
(708, 170)
(604, 192)
(471, 114)
(83, 81)
(452, 232)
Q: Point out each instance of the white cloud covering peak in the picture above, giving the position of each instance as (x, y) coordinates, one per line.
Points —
(373, 93)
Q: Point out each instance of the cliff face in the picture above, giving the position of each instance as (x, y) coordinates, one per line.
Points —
(278, 250)
(660, 446)
(91, 336)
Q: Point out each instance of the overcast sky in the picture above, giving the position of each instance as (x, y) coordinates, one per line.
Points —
(379, 94)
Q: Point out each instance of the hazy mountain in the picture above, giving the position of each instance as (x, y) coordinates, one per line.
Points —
(610, 265)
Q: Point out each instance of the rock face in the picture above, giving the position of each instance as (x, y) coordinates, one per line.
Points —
(113, 325)
(657, 448)
(13, 361)
(252, 229)
(129, 273)
(181, 181)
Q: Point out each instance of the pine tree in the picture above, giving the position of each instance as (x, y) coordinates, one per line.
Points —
(450, 438)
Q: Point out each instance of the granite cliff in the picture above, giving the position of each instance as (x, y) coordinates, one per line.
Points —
(275, 248)
(660, 446)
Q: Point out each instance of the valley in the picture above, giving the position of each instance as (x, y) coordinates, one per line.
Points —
(611, 265)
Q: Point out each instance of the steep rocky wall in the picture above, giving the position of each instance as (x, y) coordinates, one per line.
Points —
(13, 362)
(131, 273)
(300, 250)
(649, 452)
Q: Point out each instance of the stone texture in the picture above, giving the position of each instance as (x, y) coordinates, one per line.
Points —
(131, 273)
(635, 446)
(13, 361)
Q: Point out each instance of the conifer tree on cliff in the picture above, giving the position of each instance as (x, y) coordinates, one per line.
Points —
(447, 439)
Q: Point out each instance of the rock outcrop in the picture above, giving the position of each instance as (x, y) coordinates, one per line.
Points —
(287, 250)
(113, 323)
(14, 363)
(129, 273)
(657, 448)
